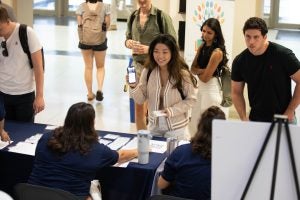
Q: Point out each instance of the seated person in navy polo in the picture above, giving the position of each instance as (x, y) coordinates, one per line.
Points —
(187, 171)
(69, 157)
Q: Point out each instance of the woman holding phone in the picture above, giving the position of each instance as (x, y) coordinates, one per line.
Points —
(168, 86)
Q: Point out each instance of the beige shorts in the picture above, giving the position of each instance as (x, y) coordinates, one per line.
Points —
(138, 68)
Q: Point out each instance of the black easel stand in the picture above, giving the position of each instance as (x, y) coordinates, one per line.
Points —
(278, 119)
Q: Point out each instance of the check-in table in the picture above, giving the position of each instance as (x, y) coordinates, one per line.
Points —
(118, 183)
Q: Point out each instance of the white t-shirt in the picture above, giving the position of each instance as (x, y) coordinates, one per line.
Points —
(16, 75)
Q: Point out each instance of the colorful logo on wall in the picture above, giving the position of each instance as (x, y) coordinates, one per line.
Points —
(207, 9)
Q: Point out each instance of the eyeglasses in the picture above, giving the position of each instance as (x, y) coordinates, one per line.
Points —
(5, 51)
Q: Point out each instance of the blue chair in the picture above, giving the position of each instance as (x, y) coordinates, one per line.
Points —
(25, 191)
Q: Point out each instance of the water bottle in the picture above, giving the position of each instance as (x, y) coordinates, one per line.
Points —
(131, 72)
(172, 143)
(144, 137)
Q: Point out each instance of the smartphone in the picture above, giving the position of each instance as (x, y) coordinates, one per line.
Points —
(131, 75)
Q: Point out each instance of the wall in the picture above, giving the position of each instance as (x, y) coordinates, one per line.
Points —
(23, 10)
(243, 10)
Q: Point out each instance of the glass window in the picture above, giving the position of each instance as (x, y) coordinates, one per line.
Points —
(289, 12)
(44, 4)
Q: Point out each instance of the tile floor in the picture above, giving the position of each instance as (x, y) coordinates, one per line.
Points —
(64, 83)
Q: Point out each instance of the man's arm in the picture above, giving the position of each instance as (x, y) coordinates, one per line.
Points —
(295, 99)
(238, 99)
(37, 61)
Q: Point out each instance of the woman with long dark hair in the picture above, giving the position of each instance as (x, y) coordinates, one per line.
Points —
(209, 60)
(69, 157)
(168, 87)
(187, 171)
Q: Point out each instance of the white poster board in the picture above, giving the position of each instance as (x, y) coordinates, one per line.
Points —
(235, 147)
(197, 12)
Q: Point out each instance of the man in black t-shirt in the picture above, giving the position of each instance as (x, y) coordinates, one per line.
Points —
(267, 68)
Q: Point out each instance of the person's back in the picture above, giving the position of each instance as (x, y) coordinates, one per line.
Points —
(72, 171)
(69, 158)
(187, 171)
(193, 174)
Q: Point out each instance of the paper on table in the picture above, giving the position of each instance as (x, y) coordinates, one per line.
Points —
(132, 144)
(34, 139)
(23, 148)
(4, 144)
(118, 143)
(125, 164)
(155, 145)
(158, 146)
(103, 141)
(50, 127)
(111, 136)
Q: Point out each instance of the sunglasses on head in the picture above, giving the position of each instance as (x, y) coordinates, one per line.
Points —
(5, 51)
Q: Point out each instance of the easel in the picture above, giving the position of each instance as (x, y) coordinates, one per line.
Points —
(278, 119)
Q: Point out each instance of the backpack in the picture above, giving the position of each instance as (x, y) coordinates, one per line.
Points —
(179, 90)
(24, 43)
(158, 18)
(93, 28)
(224, 78)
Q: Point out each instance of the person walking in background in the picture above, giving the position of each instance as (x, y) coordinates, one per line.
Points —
(21, 85)
(187, 171)
(210, 58)
(168, 86)
(10, 11)
(143, 25)
(69, 157)
(267, 68)
(93, 18)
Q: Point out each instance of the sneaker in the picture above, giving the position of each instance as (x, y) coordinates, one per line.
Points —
(99, 95)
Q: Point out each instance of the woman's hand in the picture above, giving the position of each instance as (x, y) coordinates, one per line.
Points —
(140, 49)
(131, 85)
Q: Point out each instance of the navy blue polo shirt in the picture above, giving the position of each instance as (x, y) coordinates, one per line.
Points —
(189, 172)
(73, 171)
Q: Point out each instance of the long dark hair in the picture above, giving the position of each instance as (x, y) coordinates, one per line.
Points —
(176, 64)
(77, 133)
(201, 142)
(219, 41)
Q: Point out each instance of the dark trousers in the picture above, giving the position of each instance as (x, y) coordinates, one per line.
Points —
(19, 107)
(2, 110)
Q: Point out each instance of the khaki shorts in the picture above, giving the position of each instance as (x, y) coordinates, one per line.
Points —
(138, 68)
